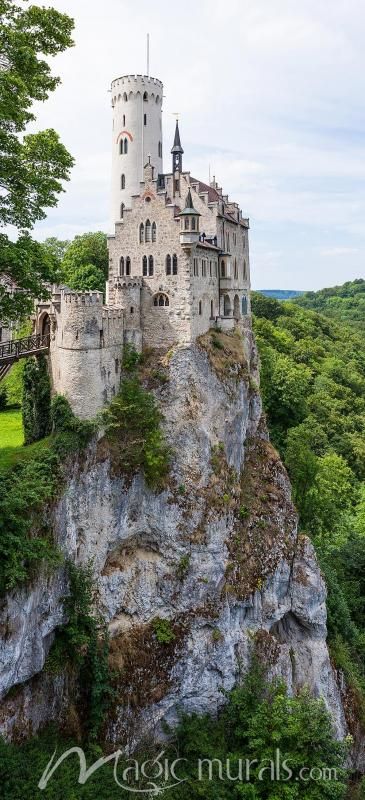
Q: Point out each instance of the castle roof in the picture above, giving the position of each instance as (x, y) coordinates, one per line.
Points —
(189, 208)
(176, 148)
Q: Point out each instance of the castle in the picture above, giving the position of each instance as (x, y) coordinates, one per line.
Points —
(178, 259)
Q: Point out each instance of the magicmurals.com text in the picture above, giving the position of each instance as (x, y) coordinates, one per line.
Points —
(154, 776)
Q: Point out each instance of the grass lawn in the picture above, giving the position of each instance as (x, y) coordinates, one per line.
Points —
(12, 438)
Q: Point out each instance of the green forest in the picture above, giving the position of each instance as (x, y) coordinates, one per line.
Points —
(345, 303)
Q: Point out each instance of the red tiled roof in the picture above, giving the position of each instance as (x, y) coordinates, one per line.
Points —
(213, 195)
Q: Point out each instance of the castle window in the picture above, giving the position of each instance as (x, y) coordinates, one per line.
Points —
(244, 241)
(122, 182)
(196, 267)
(174, 264)
(223, 269)
(168, 265)
(132, 310)
(200, 308)
(154, 232)
(125, 98)
(145, 97)
(150, 265)
(148, 231)
(126, 145)
(244, 271)
(193, 223)
(128, 266)
(235, 269)
(211, 309)
(144, 265)
(145, 119)
(122, 207)
(121, 267)
(121, 146)
(244, 304)
(204, 268)
(215, 269)
(161, 300)
(141, 233)
(186, 223)
(160, 149)
(210, 269)
(123, 120)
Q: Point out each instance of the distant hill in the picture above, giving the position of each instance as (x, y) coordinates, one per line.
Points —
(280, 294)
(345, 303)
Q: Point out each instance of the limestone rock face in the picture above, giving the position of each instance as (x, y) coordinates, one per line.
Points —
(216, 553)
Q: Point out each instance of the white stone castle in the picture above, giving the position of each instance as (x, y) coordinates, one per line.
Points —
(178, 260)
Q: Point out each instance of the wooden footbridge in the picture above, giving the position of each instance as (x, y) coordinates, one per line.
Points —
(15, 349)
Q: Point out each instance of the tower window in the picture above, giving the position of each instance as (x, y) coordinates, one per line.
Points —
(123, 120)
(125, 98)
(128, 266)
(196, 267)
(186, 223)
(150, 265)
(144, 266)
(168, 265)
(211, 309)
(193, 223)
(200, 308)
(244, 271)
(160, 149)
(126, 145)
(141, 233)
(145, 97)
(174, 264)
(121, 267)
(122, 182)
(122, 207)
(148, 231)
(235, 269)
(121, 146)
(223, 270)
(154, 232)
(145, 119)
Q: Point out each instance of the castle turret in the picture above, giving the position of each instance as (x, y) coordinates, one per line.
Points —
(137, 135)
(189, 222)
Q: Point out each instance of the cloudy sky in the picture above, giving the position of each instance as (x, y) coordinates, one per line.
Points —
(271, 98)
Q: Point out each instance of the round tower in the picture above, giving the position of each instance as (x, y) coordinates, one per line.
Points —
(137, 134)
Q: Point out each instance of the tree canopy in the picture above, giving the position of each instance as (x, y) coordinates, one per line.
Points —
(33, 167)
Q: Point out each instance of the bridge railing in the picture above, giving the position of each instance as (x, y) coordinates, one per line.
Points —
(18, 348)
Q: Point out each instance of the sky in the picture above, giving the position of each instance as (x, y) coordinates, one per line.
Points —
(270, 95)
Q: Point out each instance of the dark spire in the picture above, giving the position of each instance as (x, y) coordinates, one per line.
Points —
(177, 151)
(189, 200)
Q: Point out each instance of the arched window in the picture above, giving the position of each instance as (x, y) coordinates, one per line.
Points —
(211, 309)
(144, 265)
(145, 119)
(174, 264)
(200, 308)
(223, 269)
(121, 146)
(141, 233)
(121, 266)
(244, 304)
(125, 98)
(122, 207)
(186, 223)
(226, 306)
(161, 300)
(148, 231)
(145, 97)
(122, 182)
(168, 265)
(193, 223)
(126, 145)
(154, 232)
(235, 270)
(150, 265)
(128, 266)
(123, 120)
(244, 271)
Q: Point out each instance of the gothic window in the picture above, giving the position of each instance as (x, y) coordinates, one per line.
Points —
(122, 182)
(144, 265)
(121, 267)
(174, 264)
(123, 120)
(128, 266)
(148, 231)
(193, 223)
(145, 97)
(244, 271)
(141, 233)
(121, 146)
(210, 269)
(122, 207)
(126, 145)
(125, 98)
(200, 308)
(150, 265)
(211, 309)
(196, 267)
(244, 304)
(204, 268)
(186, 223)
(154, 232)
(145, 119)
(161, 300)
(168, 265)
(235, 269)
(223, 270)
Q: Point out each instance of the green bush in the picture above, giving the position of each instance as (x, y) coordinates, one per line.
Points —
(163, 630)
(132, 424)
(36, 402)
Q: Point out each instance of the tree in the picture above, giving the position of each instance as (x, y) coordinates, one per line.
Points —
(56, 248)
(87, 277)
(36, 400)
(85, 250)
(32, 167)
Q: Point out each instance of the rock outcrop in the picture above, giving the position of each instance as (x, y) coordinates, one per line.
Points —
(216, 553)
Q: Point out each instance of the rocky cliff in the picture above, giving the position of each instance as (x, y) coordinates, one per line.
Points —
(216, 553)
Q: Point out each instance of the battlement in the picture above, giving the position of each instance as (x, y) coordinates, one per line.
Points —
(134, 79)
(82, 298)
(128, 283)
